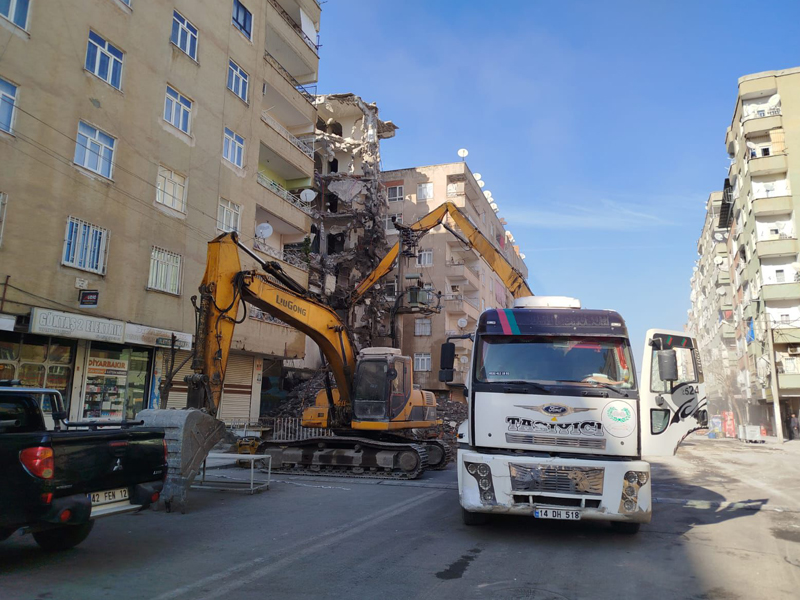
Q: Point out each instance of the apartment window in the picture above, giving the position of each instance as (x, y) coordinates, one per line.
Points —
(242, 19)
(390, 289)
(237, 80)
(85, 246)
(94, 150)
(171, 189)
(422, 326)
(178, 110)
(780, 275)
(388, 224)
(3, 205)
(784, 318)
(165, 271)
(765, 151)
(8, 101)
(422, 361)
(395, 193)
(452, 190)
(184, 35)
(104, 60)
(425, 191)
(425, 258)
(15, 11)
(228, 215)
(233, 148)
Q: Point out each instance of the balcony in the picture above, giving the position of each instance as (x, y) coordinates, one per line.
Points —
(789, 381)
(785, 333)
(290, 44)
(456, 304)
(290, 259)
(284, 205)
(770, 206)
(296, 151)
(780, 291)
(723, 277)
(290, 101)
(767, 165)
(776, 247)
(762, 124)
(728, 331)
(460, 273)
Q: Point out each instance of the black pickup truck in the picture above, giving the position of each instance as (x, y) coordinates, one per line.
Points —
(57, 477)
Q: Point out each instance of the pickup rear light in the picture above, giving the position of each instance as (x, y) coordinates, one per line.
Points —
(47, 498)
(38, 461)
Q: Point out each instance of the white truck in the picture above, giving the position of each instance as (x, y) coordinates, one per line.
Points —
(558, 425)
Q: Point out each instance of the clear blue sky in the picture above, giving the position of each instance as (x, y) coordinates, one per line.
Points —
(598, 126)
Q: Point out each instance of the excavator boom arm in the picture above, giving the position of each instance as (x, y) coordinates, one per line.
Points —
(225, 286)
(512, 278)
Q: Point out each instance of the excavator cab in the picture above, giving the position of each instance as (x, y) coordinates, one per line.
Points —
(382, 384)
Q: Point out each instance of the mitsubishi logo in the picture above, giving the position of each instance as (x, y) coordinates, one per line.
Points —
(118, 466)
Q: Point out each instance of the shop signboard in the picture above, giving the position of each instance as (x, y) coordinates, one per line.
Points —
(54, 322)
(153, 336)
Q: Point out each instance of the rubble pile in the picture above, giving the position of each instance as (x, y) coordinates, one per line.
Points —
(299, 397)
(452, 413)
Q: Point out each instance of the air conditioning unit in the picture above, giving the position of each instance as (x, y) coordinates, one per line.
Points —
(794, 349)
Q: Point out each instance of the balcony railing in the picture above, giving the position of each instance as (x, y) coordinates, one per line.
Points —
(288, 257)
(290, 21)
(309, 93)
(758, 112)
(280, 191)
(269, 120)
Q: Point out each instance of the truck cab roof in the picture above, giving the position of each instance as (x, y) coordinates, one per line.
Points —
(552, 321)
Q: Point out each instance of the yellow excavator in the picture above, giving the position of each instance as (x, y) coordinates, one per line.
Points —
(374, 402)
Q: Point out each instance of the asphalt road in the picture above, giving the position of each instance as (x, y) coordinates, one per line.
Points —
(726, 526)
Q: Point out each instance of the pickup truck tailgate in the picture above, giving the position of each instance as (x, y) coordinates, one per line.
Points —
(91, 461)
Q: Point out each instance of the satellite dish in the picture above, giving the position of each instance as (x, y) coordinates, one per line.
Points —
(481, 183)
(522, 256)
(477, 176)
(493, 205)
(718, 260)
(721, 291)
(308, 196)
(796, 266)
(774, 101)
(487, 193)
(751, 145)
(463, 152)
(694, 269)
(464, 360)
(263, 230)
(462, 322)
(496, 209)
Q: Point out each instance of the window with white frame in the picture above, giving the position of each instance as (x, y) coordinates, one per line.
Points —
(94, 150)
(8, 102)
(394, 193)
(785, 318)
(178, 110)
(184, 34)
(15, 11)
(228, 215)
(233, 148)
(780, 275)
(388, 224)
(3, 205)
(85, 246)
(237, 80)
(422, 361)
(171, 189)
(422, 326)
(425, 191)
(242, 19)
(425, 258)
(165, 271)
(104, 60)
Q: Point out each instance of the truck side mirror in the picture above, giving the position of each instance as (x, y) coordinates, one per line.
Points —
(448, 357)
(667, 365)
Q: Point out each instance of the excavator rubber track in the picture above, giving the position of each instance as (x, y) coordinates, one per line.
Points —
(342, 456)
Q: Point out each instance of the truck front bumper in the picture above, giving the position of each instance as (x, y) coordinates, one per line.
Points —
(601, 490)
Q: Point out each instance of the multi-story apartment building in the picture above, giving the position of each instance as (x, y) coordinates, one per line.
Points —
(133, 133)
(759, 210)
(710, 319)
(467, 283)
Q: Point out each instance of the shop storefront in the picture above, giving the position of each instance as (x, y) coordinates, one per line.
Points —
(113, 369)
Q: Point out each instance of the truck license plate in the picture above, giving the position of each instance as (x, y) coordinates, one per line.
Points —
(108, 496)
(555, 513)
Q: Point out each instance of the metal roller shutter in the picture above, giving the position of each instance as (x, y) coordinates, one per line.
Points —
(237, 389)
(177, 395)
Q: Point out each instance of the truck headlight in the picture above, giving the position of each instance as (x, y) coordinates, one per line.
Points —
(632, 483)
(483, 475)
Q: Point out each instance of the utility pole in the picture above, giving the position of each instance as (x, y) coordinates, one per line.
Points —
(400, 291)
(773, 375)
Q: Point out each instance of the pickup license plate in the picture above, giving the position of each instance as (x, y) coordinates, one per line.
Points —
(557, 513)
(108, 496)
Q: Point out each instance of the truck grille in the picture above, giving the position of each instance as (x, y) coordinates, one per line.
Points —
(562, 480)
(551, 440)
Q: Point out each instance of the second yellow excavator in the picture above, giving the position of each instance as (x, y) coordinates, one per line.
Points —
(374, 402)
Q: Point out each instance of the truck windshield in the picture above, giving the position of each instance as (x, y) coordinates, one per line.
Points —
(552, 359)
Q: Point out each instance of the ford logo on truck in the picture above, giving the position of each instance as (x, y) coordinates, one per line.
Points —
(555, 410)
